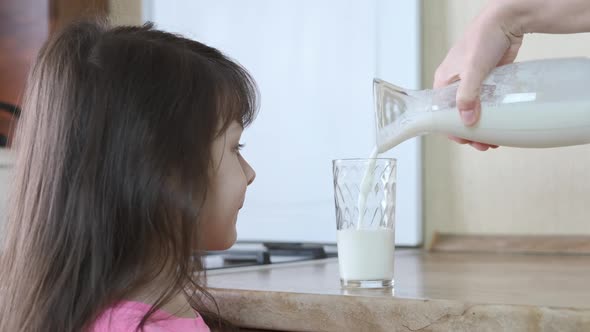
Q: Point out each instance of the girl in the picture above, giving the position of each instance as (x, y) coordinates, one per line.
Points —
(128, 166)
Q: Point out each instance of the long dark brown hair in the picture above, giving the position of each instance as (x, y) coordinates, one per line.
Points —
(113, 159)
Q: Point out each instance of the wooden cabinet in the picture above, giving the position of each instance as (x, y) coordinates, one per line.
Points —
(24, 27)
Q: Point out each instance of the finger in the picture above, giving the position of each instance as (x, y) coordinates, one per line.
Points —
(442, 78)
(465, 141)
(478, 64)
(468, 102)
(479, 146)
(459, 140)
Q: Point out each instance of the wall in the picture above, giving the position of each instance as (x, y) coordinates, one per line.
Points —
(509, 190)
(123, 12)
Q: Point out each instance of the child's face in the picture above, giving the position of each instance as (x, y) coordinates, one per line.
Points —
(225, 197)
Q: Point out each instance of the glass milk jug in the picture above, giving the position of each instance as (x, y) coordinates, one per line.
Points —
(532, 104)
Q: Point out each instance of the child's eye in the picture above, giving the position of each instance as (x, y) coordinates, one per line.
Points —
(239, 147)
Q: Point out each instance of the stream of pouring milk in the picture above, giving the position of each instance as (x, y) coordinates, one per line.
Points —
(366, 184)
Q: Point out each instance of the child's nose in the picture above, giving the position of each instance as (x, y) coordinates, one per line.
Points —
(248, 171)
(250, 174)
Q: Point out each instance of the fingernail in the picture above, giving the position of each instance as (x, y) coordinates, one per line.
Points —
(468, 116)
(479, 146)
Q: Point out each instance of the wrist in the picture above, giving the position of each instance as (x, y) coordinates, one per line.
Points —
(513, 16)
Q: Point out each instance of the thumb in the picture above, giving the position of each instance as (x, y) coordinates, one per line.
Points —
(468, 102)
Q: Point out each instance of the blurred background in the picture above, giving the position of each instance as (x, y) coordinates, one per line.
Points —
(444, 187)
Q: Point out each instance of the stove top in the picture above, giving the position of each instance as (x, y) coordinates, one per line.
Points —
(264, 253)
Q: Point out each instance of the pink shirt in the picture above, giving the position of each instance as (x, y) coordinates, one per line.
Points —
(125, 316)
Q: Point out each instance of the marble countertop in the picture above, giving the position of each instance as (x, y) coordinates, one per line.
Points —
(433, 292)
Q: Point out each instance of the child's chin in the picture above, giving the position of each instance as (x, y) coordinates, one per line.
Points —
(227, 245)
(229, 241)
